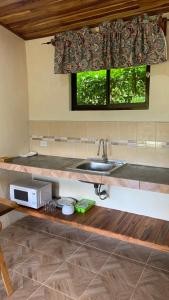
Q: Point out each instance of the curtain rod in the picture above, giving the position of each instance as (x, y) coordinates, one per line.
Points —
(47, 43)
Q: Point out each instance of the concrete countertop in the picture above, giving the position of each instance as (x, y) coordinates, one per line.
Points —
(130, 175)
(128, 171)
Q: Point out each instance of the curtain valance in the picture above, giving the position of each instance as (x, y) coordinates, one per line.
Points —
(115, 44)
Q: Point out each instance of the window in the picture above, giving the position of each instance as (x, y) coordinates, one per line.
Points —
(123, 88)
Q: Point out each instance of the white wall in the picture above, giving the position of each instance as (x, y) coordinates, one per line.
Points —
(13, 95)
(13, 108)
(49, 94)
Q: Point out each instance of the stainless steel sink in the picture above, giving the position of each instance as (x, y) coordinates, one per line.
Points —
(98, 166)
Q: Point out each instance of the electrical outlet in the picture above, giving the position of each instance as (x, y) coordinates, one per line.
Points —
(43, 143)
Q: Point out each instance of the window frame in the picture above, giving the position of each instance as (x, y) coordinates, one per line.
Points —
(123, 106)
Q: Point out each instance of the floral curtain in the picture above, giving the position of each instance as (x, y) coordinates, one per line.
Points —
(115, 44)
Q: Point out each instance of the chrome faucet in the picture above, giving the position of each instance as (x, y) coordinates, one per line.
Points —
(104, 151)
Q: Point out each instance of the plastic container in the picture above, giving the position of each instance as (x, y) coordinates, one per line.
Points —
(84, 205)
(67, 209)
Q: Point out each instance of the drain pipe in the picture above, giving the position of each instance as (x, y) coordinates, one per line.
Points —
(101, 194)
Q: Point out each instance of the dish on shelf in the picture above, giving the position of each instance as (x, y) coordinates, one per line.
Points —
(65, 201)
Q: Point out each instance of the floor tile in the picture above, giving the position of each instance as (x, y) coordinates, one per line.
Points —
(23, 287)
(102, 289)
(39, 266)
(37, 240)
(89, 258)
(159, 259)
(116, 280)
(103, 243)
(41, 225)
(30, 222)
(58, 247)
(99, 269)
(65, 231)
(75, 234)
(14, 254)
(52, 228)
(123, 268)
(154, 285)
(70, 279)
(45, 293)
(57, 229)
(133, 251)
(20, 235)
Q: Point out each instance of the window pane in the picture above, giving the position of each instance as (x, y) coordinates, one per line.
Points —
(91, 88)
(128, 85)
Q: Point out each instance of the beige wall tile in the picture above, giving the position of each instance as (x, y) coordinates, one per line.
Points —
(46, 150)
(35, 146)
(58, 128)
(80, 150)
(54, 128)
(162, 157)
(140, 131)
(92, 150)
(73, 129)
(106, 130)
(146, 131)
(162, 132)
(146, 156)
(127, 130)
(124, 153)
(39, 128)
(63, 149)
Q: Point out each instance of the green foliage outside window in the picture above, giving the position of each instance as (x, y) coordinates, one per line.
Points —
(117, 86)
(128, 85)
(91, 88)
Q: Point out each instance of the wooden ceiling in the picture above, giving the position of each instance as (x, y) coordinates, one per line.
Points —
(32, 19)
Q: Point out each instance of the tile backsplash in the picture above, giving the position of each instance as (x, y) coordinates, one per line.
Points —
(136, 142)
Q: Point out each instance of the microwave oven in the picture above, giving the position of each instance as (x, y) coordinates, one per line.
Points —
(31, 193)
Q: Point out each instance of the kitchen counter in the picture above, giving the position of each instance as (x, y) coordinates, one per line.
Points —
(129, 175)
(142, 230)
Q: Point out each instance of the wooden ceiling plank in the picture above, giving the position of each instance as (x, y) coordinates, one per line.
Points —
(5, 3)
(57, 10)
(39, 18)
(44, 5)
(51, 31)
(73, 17)
(153, 3)
(76, 25)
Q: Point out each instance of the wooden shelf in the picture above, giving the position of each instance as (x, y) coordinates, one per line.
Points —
(136, 229)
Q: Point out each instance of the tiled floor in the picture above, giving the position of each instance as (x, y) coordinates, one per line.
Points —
(50, 261)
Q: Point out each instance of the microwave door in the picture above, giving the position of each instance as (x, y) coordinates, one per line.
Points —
(21, 195)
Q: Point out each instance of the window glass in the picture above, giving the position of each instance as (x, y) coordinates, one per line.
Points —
(128, 85)
(91, 88)
(123, 88)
